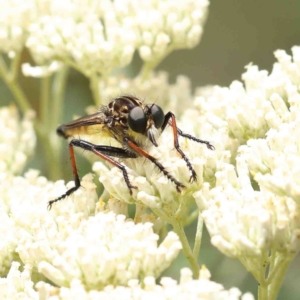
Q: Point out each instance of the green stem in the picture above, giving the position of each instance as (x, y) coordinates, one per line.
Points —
(57, 104)
(51, 113)
(95, 90)
(72, 64)
(160, 213)
(19, 96)
(262, 292)
(11, 81)
(177, 226)
(259, 273)
(198, 237)
(146, 70)
(14, 68)
(270, 283)
(47, 136)
(3, 68)
(191, 218)
(58, 92)
(51, 156)
(149, 66)
(275, 265)
(44, 103)
(278, 278)
(42, 128)
(255, 266)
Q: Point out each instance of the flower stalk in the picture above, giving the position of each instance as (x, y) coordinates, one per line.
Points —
(188, 253)
(198, 236)
(9, 75)
(176, 222)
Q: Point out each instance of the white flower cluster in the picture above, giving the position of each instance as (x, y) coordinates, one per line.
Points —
(37, 191)
(168, 289)
(233, 206)
(154, 188)
(87, 44)
(70, 242)
(14, 18)
(17, 140)
(18, 285)
(8, 242)
(96, 37)
(275, 161)
(101, 250)
(142, 213)
(154, 89)
(243, 222)
(23, 204)
(164, 25)
(236, 114)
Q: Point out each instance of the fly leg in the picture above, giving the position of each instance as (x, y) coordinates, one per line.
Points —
(171, 120)
(141, 152)
(102, 151)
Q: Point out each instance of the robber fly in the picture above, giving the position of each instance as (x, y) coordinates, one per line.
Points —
(133, 124)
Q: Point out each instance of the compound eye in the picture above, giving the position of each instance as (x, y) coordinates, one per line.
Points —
(137, 120)
(158, 115)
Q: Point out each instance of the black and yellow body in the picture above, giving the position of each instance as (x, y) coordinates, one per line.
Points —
(134, 125)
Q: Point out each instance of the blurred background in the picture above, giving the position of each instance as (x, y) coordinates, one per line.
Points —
(236, 33)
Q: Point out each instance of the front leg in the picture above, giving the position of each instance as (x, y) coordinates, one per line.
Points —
(141, 152)
(171, 120)
(102, 151)
(193, 138)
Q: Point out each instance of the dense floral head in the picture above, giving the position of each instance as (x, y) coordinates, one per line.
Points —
(17, 140)
(97, 36)
(186, 288)
(154, 188)
(246, 223)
